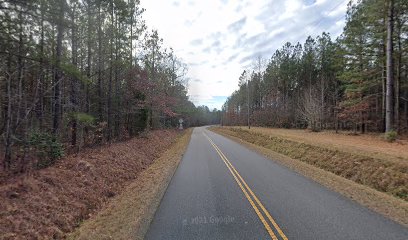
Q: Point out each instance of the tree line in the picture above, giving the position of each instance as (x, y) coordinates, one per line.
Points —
(82, 72)
(357, 82)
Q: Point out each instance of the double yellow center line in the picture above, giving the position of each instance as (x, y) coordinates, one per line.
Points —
(249, 194)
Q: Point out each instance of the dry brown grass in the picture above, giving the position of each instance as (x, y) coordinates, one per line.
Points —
(51, 202)
(383, 174)
(128, 215)
(385, 204)
(372, 145)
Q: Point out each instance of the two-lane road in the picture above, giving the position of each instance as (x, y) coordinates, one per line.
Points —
(222, 190)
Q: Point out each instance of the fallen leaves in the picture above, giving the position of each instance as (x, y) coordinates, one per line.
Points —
(51, 202)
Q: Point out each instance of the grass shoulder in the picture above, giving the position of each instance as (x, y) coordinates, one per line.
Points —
(128, 215)
(374, 182)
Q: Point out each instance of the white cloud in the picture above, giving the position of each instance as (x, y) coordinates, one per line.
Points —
(203, 34)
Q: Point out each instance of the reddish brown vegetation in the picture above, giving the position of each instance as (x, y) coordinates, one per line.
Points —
(51, 202)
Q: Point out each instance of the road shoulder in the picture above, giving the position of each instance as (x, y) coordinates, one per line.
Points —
(128, 215)
(391, 207)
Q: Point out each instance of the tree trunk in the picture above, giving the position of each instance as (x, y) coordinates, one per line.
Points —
(100, 99)
(389, 116)
(117, 84)
(322, 105)
(384, 76)
(398, 80)
(131, 34)
(74, 82)
(110, 77)
(8, 140)
(58, 72)
(406, 99)
(89, 58)
(40, 110)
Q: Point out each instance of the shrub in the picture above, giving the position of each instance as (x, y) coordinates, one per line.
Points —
(84, 119)
(47, 148)
(391, 136)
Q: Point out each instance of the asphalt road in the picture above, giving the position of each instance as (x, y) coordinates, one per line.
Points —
(222, 190)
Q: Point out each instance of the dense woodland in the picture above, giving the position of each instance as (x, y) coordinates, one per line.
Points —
(77, 73)
(358, 82)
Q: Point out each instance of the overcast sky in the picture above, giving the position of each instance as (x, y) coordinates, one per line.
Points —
(218, 39)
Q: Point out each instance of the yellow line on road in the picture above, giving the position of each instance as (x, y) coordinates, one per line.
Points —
(265, 223)
(235, 173)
